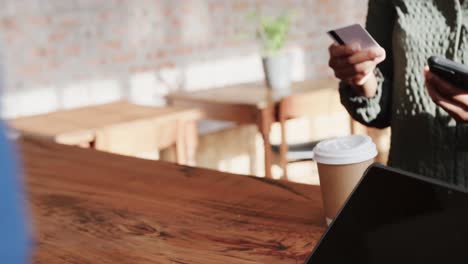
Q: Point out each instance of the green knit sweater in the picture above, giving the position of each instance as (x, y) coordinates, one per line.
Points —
(425, 139)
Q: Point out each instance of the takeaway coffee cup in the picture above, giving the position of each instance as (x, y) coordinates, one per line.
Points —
(341, 163)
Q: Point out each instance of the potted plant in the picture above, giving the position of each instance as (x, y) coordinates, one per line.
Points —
(272, 33)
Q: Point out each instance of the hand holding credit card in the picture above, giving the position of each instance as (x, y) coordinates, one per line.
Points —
(355, 55)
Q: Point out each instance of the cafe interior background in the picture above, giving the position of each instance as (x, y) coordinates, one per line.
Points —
(63, 54)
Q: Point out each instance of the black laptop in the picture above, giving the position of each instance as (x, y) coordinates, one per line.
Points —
(397, 217)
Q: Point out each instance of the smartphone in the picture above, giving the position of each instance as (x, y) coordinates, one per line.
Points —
(353, 34)
(452, 72)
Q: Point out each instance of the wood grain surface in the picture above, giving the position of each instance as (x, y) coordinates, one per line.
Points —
(95, 207)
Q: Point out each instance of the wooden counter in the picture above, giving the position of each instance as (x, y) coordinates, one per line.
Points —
(96, 207)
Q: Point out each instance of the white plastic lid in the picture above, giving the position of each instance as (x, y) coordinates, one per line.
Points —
(345, 150)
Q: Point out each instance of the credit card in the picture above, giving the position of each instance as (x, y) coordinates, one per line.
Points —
(353, 34)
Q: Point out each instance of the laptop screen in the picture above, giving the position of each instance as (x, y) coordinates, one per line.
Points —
(393, 217)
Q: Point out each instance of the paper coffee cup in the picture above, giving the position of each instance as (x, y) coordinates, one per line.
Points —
(341, 163)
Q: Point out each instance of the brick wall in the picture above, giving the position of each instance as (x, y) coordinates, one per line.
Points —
(67, 53)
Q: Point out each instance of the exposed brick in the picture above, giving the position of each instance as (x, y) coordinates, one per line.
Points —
(60, 43)
(72, 51)
(113, 44)
(57, 36)
(53, 65)
(32, 70)
(43, 52)
(40, 20)
(124, 57)
(8, 24)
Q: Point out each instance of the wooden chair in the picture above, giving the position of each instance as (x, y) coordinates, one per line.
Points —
(298, 106)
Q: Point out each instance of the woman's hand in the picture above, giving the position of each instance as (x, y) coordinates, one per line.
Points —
(355, 66)
(452, 99)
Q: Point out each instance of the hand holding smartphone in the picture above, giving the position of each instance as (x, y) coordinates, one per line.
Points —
(449, 90)
(450, 71)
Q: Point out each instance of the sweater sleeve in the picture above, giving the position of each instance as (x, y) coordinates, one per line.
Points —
(375, 111)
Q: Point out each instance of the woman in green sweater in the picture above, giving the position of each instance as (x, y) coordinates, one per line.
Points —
(391, 86)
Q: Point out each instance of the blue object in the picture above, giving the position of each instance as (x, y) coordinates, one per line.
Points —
(14, 235)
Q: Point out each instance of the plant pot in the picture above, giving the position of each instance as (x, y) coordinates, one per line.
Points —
(278, 71)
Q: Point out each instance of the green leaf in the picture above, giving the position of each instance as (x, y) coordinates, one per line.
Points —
(271, 31)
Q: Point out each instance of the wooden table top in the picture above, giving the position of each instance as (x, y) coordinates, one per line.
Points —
(79, 125)
(96, 207)
(257, 93)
